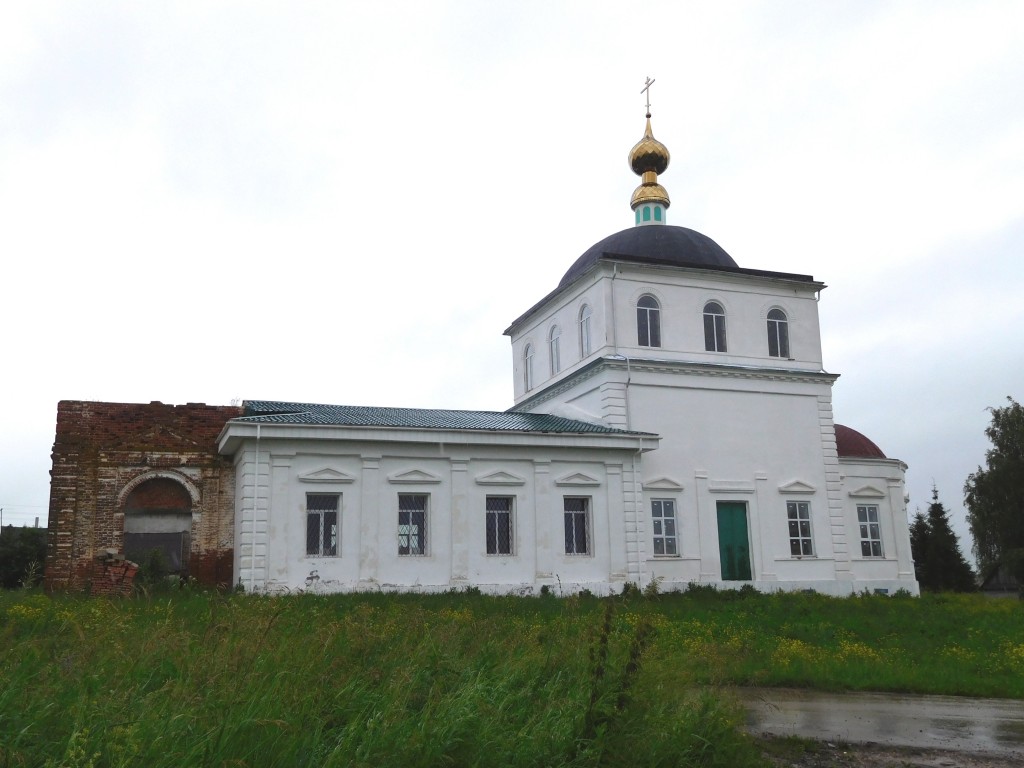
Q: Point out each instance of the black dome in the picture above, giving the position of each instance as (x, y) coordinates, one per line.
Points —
(654, 244)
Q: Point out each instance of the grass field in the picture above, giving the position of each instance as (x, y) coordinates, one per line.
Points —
(404, 680)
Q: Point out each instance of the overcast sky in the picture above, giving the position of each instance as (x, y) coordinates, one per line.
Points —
(348, 202)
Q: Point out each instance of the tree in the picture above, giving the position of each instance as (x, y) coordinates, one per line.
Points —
(22, 555)
(994, 496)
(919, 544)
(940, 565)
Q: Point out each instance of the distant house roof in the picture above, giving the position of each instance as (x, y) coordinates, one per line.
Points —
(272, 412)
(1000, 579)
(852, 444)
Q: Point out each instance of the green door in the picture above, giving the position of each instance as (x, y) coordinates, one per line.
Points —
(733, 543)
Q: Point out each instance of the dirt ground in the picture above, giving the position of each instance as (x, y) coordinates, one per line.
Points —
(799, 753)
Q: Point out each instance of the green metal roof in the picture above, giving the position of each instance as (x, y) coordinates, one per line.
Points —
(271, 412)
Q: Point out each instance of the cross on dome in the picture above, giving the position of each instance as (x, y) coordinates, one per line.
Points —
(648, 158)
(647, 90)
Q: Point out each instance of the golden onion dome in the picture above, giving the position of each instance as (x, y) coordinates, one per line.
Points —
(648, 158)
(649, 193)
(648, 154)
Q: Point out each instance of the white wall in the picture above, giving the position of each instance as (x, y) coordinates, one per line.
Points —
(879, 482)
(368, 476)
(738, 426)
(682, 294)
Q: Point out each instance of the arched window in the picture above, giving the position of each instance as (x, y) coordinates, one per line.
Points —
(648, 322)
(158, 516)
(553, 352)
(714, 327)
(778, 334)
(528, 367)
(585, 345)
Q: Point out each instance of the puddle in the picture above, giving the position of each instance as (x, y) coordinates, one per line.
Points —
(993, 726)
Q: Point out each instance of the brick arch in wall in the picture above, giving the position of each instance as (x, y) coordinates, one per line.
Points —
(177, 477)
(157, 509)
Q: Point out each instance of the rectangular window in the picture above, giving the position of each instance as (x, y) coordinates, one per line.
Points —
(577, 525)
(412, 524)
(499, 525)
(870, 531)
(663, 519)
(800, 542)
(322, 524)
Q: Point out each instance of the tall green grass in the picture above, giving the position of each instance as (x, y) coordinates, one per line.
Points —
(952, 644)
(353, 681)
(460, 680)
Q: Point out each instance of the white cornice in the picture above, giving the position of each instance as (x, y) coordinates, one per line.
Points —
(730, 486)
(235, 434)
(677, 367)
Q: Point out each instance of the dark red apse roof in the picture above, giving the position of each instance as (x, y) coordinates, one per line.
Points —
(852, 444)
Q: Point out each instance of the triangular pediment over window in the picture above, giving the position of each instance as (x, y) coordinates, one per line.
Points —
(500, 478)
(326, 475)
(797, 486)
(662, 484)
(868, 492)
(155, 438)
(578, 479)
(413, 476)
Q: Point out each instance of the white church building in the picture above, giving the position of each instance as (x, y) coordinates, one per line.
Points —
(672, 421)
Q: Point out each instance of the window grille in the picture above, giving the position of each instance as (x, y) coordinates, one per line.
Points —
(799, 516)
(499, 525)
(663, 522)
(322, 524)
(577, 526)
(412, 524)
(870, 531)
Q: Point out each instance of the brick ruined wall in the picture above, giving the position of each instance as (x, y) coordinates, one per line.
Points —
(102, 450)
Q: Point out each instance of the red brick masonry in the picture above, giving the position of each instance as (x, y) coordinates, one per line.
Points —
(104, 450)
(111, 577)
